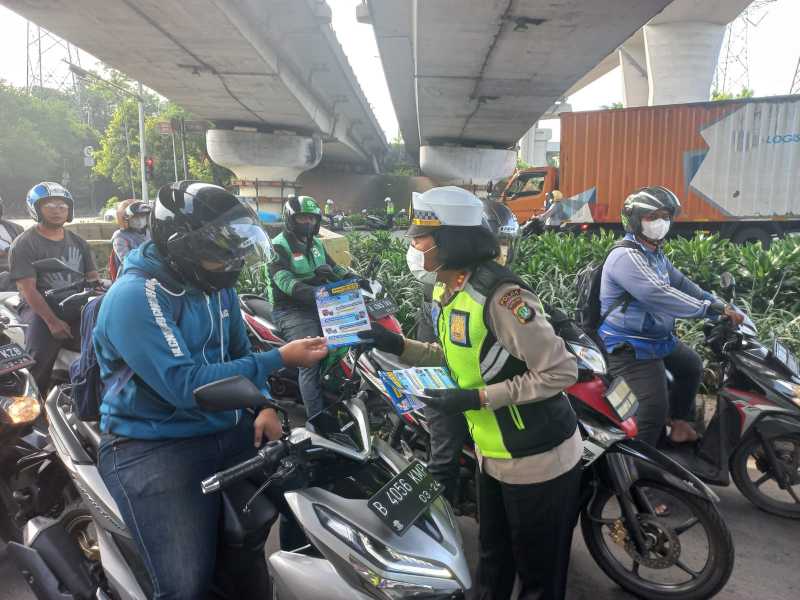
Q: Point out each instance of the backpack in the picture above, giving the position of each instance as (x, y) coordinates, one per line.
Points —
(113, 266)
(84, 372)
(588, 279)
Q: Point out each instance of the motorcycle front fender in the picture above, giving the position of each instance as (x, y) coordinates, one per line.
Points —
(776, 425)
(640, 461)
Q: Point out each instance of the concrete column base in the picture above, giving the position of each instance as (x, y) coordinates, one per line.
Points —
(681, 59)
(267, 165)
(457, 165)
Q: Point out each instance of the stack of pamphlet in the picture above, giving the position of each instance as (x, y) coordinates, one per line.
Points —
(407, 386)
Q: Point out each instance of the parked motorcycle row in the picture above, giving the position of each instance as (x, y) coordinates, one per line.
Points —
(370, 523)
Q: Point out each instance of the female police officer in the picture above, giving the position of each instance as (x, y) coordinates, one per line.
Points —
(511, 369)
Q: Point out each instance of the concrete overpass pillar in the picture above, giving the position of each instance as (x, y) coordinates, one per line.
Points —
(468, 167)
(681, 59)
(635, 86)
(267, 165)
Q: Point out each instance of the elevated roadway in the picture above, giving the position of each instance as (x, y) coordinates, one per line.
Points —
(269, 74)
(467, 79)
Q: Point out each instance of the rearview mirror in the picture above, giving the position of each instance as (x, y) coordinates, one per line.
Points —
(728, 285)
(52, 265)
(229, 394)
(726, 281)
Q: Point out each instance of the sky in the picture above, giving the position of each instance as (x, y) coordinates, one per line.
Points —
(774, 49)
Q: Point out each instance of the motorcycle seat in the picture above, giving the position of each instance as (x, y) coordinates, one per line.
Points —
(89, 433)
(257, 305)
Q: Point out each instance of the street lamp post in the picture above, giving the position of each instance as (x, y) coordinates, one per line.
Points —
(81, 72)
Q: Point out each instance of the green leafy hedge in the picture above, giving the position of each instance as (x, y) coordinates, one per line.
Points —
(768, 281)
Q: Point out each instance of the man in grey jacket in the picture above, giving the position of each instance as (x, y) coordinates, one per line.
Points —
(641, 295)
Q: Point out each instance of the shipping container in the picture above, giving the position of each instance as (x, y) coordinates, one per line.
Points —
(735, 165)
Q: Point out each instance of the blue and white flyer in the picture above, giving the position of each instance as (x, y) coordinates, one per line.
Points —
(406, 386)
(342, 312)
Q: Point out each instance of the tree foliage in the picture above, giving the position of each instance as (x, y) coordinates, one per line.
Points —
(41, 138)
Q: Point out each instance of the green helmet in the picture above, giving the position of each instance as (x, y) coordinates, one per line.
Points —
(301, 205)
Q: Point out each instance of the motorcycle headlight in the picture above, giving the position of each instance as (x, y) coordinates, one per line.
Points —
(19, 410)
(385, 557)
(788, 389)
(588, 358)
(605, 436)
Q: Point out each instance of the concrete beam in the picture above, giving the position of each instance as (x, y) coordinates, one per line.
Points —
(635, 84)
(458, 165)
(274, 160)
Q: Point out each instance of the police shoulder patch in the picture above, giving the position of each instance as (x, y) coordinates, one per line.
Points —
(512, 300)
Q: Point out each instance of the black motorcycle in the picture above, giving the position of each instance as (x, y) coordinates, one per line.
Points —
(754, 434)
(32, 480)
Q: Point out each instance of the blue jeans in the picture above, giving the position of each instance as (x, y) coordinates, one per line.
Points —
(297, 323)
(156, 485)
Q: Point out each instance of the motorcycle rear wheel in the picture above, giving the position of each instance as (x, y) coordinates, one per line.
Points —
(787, 448)
(665, 548)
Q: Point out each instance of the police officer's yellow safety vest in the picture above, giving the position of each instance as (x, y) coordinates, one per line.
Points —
(389, 208)
(476, 359)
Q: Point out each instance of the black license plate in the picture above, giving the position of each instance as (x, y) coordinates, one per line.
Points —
(785, 357)
(381, 308)
(622, 399)
(13, 357)
(401, 501)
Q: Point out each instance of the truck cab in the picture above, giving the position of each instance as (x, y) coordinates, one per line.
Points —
(526, 191)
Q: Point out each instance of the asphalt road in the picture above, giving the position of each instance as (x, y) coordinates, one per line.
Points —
(766, 559)
(766, 566)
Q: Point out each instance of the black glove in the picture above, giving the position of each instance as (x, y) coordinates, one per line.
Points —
(452, 402)
(305, 294)
(325, 273)
(383, 339)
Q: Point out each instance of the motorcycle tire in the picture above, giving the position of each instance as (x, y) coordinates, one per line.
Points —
(752, 446)
(712, 578)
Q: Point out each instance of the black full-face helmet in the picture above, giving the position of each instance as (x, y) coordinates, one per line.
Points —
(206, 234)
(648, 200)
(502, 222)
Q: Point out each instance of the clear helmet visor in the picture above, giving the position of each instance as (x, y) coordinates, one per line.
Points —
(232, 242)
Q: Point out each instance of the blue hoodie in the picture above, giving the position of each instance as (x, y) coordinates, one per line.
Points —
(136, 326)
(660, 293)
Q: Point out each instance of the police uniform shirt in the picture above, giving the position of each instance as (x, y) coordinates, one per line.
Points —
(516, 318)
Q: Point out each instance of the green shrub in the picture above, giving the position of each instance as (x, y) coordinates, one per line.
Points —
(768, 281)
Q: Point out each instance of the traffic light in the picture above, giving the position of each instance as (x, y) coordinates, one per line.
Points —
(148, 166)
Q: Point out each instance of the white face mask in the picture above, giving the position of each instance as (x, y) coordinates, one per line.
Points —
(137, 223)
(655, 230)
(416, 264)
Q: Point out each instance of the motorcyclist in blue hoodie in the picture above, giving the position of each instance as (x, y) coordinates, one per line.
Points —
(173, 318)
(641, 295)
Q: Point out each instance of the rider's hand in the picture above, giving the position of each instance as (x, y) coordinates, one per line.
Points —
(736, 317)
(60, 329)
(304, 353)
(452, 402)
(383, 339)
(267, 425)
(325, 273)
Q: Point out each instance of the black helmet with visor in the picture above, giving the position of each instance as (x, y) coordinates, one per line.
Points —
(207, 235)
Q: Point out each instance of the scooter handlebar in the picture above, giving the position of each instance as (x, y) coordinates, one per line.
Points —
(268, 455)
